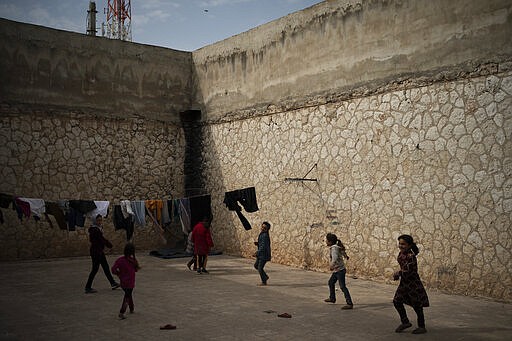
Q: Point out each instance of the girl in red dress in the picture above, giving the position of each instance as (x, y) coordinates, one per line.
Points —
(410, 291)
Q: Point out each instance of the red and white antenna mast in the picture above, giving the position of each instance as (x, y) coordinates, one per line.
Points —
(119, 20)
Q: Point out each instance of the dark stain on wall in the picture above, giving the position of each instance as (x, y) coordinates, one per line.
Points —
(193, 163)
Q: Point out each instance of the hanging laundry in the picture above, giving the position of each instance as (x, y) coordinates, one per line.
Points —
(175, 210)
(101, 209)
(73, 217)
(184, 211)
(155, 208)
(5, 201)
(139, 210)
(22, 207)
(126, 208)
(166, 219)
(120, 222)
(37, 206)
(247, 198)
(82, 206)
(53, 208)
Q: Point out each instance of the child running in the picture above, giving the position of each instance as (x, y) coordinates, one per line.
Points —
(337, 266)
(125, 267)
(410, 291)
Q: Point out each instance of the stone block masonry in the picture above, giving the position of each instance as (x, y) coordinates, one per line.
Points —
(55, 157)
(434, 162)
(400, 109)
(404, 107)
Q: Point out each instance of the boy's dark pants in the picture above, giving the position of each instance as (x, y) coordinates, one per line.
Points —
(96, 262)
(259, 265)
(340, 277)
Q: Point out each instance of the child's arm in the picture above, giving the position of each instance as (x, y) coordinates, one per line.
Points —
(333, 257)
(136, 264)
(115, 268)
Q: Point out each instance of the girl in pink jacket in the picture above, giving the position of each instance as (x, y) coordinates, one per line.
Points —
(125, 268)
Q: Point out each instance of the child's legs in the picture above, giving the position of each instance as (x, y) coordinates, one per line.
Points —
(94, 270)
(399, 306)
(421, 316)
(200, 261)
(193, 261)
(106, 269)
(331, 283)
(341, 279)
(127, 300)
(263, 274)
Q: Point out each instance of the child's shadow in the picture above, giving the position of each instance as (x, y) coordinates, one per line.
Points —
(375, 306)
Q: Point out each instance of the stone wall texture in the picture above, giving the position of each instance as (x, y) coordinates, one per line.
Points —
(400, 111)
(70, 157)
(434, 162)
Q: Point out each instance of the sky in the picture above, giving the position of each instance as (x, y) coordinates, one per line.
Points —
(178, 24)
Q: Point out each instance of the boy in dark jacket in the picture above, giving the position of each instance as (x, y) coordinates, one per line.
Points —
(263, 254)
(98, 243)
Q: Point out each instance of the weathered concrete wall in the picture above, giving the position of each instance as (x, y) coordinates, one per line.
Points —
(349, 48)
(405, 108)
(46, 69)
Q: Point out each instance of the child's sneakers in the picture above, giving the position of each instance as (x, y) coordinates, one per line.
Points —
(419, 330)
(403, 327)
(121, 316)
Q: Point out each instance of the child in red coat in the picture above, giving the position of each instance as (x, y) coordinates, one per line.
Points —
(125, 268)
(203, 242)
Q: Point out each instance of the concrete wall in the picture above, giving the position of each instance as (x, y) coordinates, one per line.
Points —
(348, 48)
(46, 69)
(405, 109)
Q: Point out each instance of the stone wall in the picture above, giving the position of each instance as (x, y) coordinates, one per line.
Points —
(76, 156)
(433, 161)
(348, 48)
(87, 118)
(400, 110)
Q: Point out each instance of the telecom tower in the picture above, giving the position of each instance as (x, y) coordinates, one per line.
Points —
(119, 20)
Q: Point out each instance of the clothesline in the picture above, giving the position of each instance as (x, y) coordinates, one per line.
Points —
(71, 213)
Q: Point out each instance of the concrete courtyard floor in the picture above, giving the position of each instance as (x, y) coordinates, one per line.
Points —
(44, 300)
